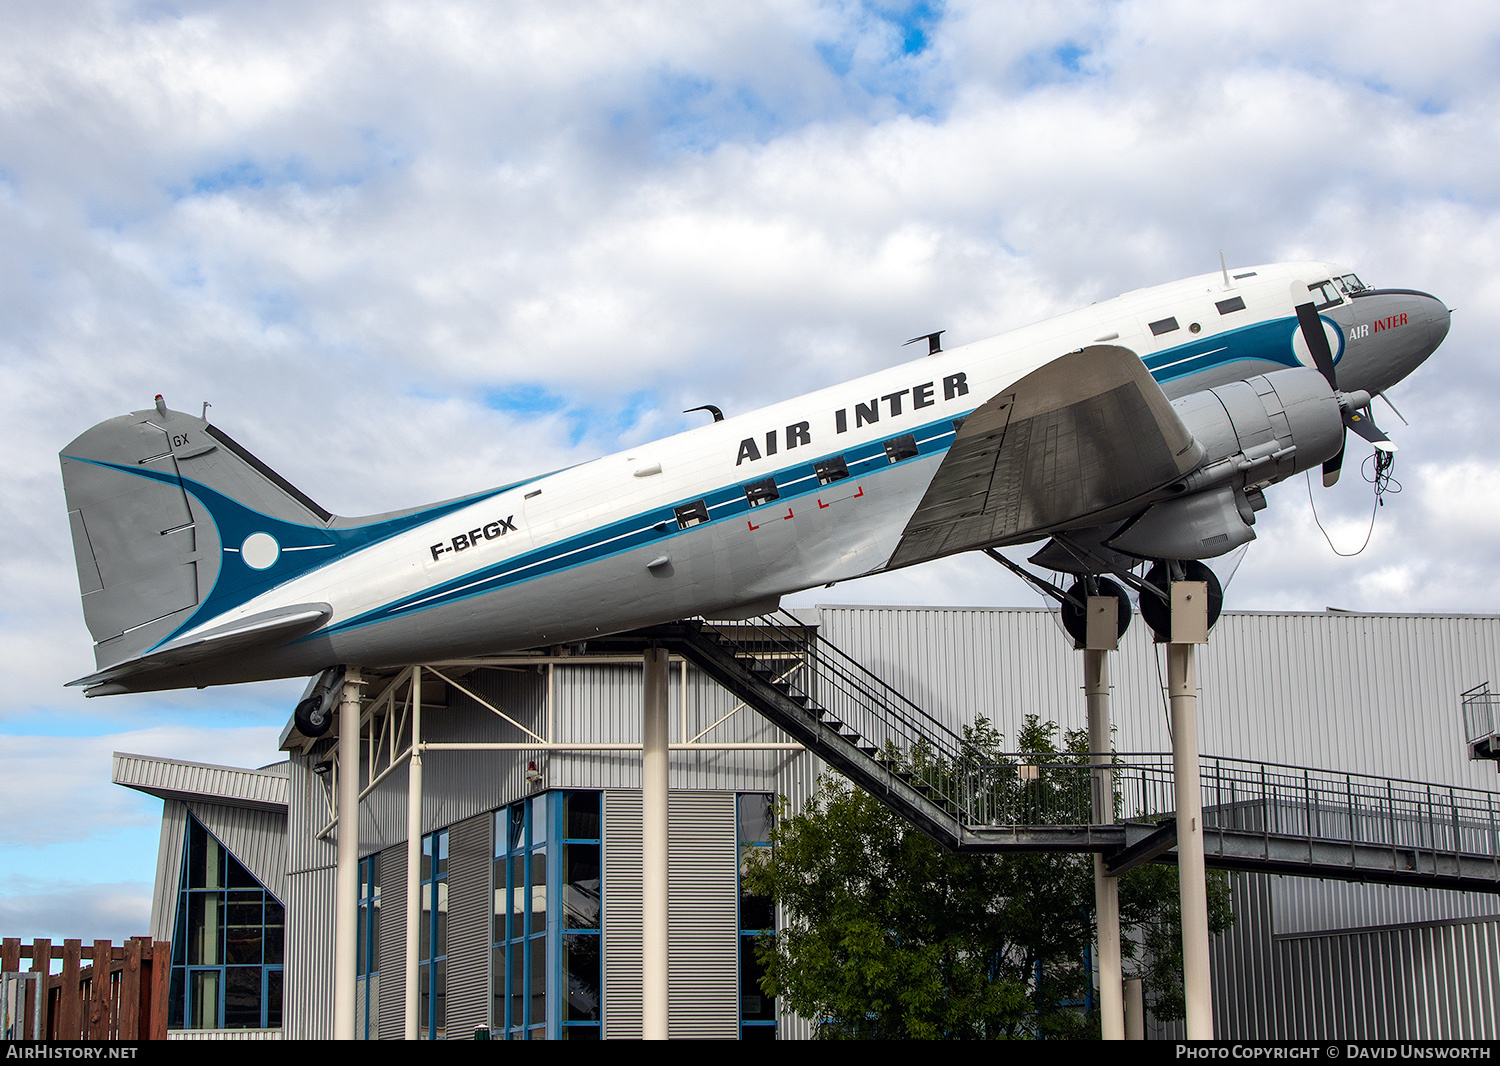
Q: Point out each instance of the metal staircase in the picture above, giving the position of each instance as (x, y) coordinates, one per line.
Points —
(1257, 816)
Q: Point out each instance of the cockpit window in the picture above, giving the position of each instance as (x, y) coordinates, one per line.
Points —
(1351, 284)
(1324, 294)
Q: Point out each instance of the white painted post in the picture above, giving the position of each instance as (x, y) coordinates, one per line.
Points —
(1106, 889)
(411, 1026)
(1189, 627)
(346, 909)
(654, 855)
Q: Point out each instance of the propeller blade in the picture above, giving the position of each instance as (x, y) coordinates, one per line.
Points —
(1363, 424)
(1331, 470)
(1317, 343)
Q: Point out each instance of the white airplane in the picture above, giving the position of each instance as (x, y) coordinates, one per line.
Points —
(1143, 427)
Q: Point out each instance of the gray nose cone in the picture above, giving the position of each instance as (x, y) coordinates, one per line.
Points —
(1393, 333)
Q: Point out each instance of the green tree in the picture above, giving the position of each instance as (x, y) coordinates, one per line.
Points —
(890, 936)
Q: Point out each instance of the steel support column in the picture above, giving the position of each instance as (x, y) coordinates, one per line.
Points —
(346, 909)
(411, 1025)
(654, 853)
(1106, 888)
(1182, 685)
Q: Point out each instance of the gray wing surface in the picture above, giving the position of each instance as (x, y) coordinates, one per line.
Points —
(1076, 442)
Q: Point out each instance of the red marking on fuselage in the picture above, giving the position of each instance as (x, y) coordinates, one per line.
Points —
(751, 524)
(787, 515)
(1393, 322)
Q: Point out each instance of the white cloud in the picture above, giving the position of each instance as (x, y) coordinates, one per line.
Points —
(351, 228)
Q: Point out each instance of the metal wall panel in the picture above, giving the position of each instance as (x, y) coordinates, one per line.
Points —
(703, 962)
(623, 903)
(176, 779)
(1431, 981)
(471, 902)
(703, 970)
(392, 1012)
(307, 1004)
(168, 870)
(307, 813)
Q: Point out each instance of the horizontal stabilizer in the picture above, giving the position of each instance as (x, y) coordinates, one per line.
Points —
(1075, 440)
(240, 635)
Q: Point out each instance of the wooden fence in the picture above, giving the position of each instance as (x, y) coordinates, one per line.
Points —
(122, 995)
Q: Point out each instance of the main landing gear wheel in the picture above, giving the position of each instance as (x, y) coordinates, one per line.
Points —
(1157, 612)
(1073, 618)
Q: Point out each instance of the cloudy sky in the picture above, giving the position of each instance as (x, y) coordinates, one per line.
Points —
(409, 250)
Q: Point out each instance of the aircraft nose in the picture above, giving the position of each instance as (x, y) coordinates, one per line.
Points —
(1399, 329)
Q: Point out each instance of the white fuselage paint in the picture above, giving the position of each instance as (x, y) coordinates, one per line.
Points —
(814, 535)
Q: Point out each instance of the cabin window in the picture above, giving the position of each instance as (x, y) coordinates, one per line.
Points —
(691, 514)
(1163, 325)
(831, 470)
(902, 447)
(1246, 274)
(1231, 305)
(1325, 294)
(1351, 284)
(759, 492)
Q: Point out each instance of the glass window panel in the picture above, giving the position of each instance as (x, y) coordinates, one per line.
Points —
(756, 912)
(273, 944)
(273, 997)
(238, 876)
(583, 815)
(242, 997)
(204, 933)
(442, 853)
(242, 931)
(207, 863)
(755, 1005)
(174, 1000)
(517, 970)
(580, 962)
(756, 817)
(441, 947)
(426, 858)
(424, 995)
(517, 837)
(517, 895)
(538, 982)
(497, 878)
(440, 997)
(582, 1032)
(203, 1004)
(539, 890)
(497, 987)
(539, 819)
(424, 932)
(581, 890)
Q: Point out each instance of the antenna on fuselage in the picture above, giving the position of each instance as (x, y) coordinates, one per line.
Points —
(710, 408)
(1225, 268)
(933, 345)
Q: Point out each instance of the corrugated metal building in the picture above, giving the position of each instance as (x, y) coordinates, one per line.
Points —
(531, 899)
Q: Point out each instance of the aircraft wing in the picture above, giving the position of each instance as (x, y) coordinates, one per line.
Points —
(1069, 444)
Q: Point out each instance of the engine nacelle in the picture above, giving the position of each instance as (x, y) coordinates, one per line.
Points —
(1254, 433)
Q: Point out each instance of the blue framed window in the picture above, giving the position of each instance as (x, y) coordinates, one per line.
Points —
(367, 965)
(545, 957)
(757, 918)
(227, 945)
(432, 947)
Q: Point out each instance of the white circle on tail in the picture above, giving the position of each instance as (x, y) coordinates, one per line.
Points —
(260, 551)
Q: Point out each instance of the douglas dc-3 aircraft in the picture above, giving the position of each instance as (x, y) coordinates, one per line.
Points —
(1143, 427)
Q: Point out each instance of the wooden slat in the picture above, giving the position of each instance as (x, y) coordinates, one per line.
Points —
(100, 993)
(70, 1005)
(161, 972)
(10, 954)
(130, 991)
(41, 962)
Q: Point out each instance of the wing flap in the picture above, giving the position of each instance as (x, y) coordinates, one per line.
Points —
(1072, 442)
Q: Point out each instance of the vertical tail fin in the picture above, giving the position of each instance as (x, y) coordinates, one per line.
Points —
(155, 501)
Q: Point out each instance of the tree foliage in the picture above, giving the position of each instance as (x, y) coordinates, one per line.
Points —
(889, 936)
